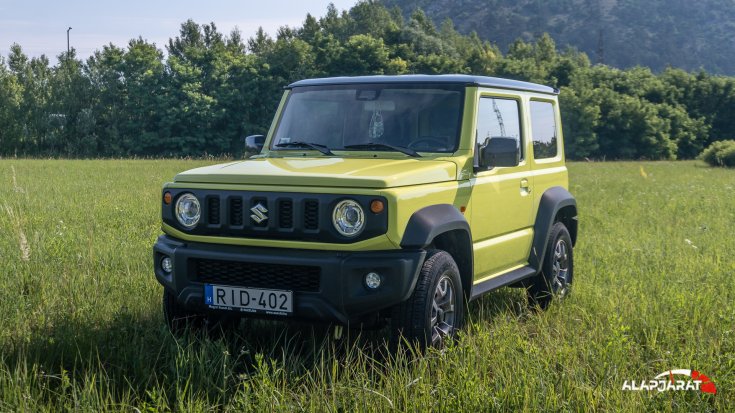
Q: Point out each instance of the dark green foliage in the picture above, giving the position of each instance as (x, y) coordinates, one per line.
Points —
(720, 153)
(212, 89)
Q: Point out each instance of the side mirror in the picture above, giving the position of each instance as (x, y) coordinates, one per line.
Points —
(499, 151)
(254, 143)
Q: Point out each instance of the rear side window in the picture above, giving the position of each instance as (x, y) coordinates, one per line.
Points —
(543, 130)
(498, 118)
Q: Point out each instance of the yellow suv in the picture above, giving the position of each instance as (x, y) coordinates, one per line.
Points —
(372, 199)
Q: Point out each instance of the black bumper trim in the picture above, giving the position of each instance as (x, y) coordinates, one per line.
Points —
(342, 295)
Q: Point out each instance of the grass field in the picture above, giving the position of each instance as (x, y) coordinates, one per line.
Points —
(81, 327)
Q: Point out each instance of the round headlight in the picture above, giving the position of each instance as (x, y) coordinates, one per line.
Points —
(188, 210)
(348, 218)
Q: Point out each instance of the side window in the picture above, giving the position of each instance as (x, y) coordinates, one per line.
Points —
(498, 118)
(543, 129)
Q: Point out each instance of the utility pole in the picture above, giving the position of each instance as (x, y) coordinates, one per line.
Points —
(68, 49)
(601, 47)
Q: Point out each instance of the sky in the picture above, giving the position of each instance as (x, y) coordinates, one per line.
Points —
(40, 26)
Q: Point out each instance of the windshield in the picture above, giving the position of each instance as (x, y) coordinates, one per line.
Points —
(408, 118)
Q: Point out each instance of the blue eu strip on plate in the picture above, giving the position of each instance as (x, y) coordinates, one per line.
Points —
(208, 295)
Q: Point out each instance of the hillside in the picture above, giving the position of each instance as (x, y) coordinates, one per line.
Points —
(622, 33)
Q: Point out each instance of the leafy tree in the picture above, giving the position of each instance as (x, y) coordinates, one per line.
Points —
(362, 54)
(11, 131)
(581, 117)
(106, 74)
(75, 133)
(146, 83)
(720, 153)
(33, 78)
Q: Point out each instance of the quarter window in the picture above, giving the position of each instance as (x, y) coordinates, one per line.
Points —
(498, 118)
(543, 129)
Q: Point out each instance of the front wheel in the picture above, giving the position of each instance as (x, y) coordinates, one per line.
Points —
(555, 279)
(435, 310)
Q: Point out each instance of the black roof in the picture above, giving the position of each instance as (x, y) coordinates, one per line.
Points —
(495, 82)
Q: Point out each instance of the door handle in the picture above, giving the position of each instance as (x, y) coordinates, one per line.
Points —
(524, 185)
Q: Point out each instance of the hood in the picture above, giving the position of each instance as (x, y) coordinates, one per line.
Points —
(327, 172)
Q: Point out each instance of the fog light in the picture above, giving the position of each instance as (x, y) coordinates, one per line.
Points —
(372, 280)
(167, 265)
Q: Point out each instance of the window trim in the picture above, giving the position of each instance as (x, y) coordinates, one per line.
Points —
(557, 125)
(521, 124)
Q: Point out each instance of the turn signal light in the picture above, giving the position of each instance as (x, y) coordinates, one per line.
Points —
(167, 198)
(377, 206)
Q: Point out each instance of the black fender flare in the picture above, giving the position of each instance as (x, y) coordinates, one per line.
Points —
(446, 228)
(429, 222)
(552, 201)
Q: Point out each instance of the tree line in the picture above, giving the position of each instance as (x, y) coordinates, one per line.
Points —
(210, 89)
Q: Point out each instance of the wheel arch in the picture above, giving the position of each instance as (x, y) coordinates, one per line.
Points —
(556, 205)
(443, 227)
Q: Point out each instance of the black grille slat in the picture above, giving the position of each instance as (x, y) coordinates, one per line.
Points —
(213, 210)
(257, 275)
(311, 214)
(285, 213)
(236, 211)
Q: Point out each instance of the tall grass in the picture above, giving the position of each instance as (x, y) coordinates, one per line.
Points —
(80, 324)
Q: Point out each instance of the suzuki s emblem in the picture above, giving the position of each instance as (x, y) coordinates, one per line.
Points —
(259, 213)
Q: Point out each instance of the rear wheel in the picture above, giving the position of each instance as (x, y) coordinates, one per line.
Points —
(435, 310)
(555, 279)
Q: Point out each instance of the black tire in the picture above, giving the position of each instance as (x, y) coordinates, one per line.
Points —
(179, 318)
(557, 272)
(416, 320)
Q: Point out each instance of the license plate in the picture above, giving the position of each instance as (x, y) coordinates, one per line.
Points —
(249, 300)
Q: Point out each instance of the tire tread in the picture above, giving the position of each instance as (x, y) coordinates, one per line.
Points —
(407, 319)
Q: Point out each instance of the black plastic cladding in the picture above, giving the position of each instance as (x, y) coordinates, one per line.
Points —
(255, 274)
(310, 218)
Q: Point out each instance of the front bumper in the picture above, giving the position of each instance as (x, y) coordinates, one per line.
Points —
(341, 295)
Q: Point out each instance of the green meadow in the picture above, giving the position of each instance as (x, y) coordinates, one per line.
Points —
(81, 326)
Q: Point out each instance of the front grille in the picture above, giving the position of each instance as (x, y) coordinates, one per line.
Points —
(274, 215)
(213, 210)
(311, 214)
(257, 275)
(277, 213)
(285, 213)
(236, 211)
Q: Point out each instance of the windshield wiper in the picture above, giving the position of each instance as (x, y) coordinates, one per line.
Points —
(376, 145)
(316, 146)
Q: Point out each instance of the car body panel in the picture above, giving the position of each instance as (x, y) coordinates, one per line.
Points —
(325, 171)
